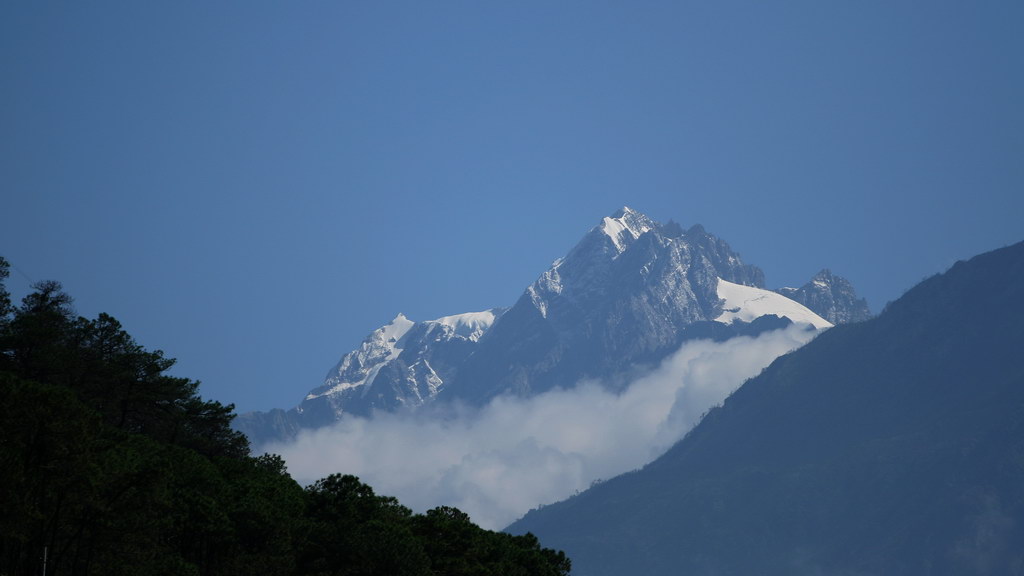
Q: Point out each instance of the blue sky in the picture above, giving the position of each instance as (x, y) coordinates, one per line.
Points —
(254, 186)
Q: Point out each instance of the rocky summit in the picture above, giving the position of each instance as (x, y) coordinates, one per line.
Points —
(832, 297)
(627, 295)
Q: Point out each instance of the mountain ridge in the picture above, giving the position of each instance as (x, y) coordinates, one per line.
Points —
(833, 297)
(627, 294)
(891, 446)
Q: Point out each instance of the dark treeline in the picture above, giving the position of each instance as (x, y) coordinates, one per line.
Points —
(110, 466)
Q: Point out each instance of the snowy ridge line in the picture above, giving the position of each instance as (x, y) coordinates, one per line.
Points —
(359, 369)
(746, 303)
(628, 222)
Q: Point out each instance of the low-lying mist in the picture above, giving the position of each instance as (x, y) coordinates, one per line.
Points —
(499, 461)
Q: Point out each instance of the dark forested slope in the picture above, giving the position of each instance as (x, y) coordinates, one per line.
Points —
(892, 446)
(110, 466)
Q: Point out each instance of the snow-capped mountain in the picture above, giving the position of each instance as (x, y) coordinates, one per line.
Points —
(628, 294)
(746, 303)
(401, 364)
(832, 297)
(416, 359)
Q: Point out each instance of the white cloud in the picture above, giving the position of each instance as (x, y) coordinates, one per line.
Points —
(499, 461)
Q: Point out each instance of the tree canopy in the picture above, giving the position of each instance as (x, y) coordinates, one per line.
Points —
(112, 466)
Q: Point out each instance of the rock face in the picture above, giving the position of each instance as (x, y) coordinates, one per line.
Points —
(889, 446)
(831, 297)
(403, 364)
(629, 293)
(624, 295)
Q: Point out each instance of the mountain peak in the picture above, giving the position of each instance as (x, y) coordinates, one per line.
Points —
(395, 330)
(627, 294)
(624, 226)
(621, 212)
(825, 277)
(830, 296)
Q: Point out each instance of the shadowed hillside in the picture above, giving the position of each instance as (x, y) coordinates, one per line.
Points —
(892, 446)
